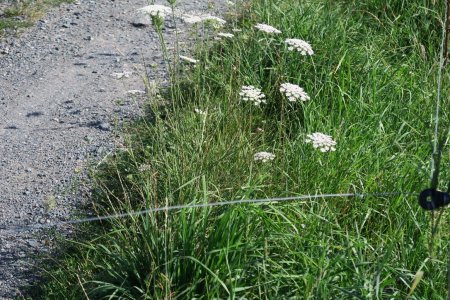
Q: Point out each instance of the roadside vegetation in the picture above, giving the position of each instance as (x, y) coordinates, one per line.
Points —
(20, 14)
(337, 97)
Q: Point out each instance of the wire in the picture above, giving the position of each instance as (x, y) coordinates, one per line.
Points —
(18, 228)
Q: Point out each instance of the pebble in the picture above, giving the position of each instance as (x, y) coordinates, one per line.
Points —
(104, 126)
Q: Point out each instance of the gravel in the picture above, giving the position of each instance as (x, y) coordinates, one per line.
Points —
(60, 109)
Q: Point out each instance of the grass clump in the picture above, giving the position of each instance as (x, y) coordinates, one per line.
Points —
(22, 14)
(367, 91)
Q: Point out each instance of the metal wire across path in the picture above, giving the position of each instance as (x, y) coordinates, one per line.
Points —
(18, 228)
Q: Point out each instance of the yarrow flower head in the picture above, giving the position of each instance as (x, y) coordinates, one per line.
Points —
(263, 156)
(267, 29)
(252, 94)
(156, 10)
(299, 45)
(293, 92)
(323, 142)
(188, 59)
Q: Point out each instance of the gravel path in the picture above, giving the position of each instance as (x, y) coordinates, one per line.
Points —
(59, 108)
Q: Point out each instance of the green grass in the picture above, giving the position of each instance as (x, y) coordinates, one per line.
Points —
(28, 11)
(372, 82)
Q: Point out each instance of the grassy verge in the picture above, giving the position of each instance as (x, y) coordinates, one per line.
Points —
(23, 14)
(372, 88)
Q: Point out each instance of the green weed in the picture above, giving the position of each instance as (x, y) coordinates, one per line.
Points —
(27, 11)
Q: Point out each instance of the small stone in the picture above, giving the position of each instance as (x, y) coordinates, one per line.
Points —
(141, 20)
(33, 243)
(100, 150)
(104, 126)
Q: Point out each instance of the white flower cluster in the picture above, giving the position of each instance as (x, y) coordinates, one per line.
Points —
(200, 112)
(321, 141)
(263, 156)
(156, 10)
(188, 59)
(195, 19)
(214, 20)
(300, 45)
(294, 92)
(267, 29)
(252, 94)
(225, 35)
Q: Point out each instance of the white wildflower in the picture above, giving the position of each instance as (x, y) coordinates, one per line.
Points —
(214, 20)
(300, 45)
(225, 35)
(144, 167)
(267, 28)
(252, 94)
(263, 156)
(293, 92)
(156, 10)
(200, 112)
(188, 59)
(231, 3)
(195, 19)
(236, 30)
(321, 141)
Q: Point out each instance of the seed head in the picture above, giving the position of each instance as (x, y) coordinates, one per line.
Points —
(293, 92)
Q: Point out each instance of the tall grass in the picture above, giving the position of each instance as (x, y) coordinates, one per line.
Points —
(372, 83)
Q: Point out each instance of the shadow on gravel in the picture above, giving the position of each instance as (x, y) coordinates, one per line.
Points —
(101, 125)
(34, 114)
